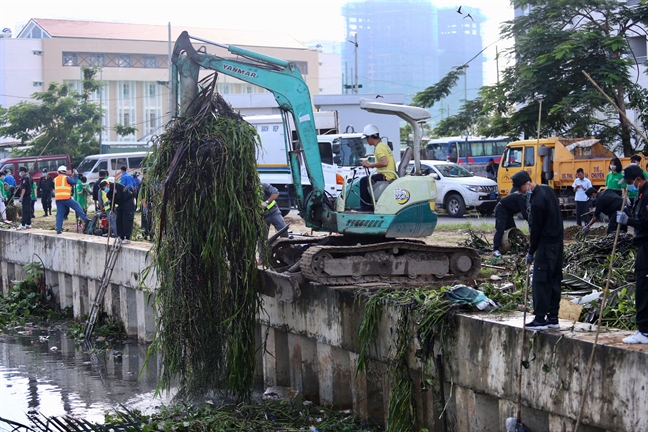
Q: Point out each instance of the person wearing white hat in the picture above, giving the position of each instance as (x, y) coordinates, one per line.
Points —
(384, 164)
(63, 186)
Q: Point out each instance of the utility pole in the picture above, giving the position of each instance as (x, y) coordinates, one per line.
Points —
(355, 52)
(355, 88)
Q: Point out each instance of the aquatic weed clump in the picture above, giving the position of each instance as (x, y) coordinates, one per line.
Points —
(207, 228)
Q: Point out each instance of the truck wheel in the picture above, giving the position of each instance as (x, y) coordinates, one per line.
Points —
(455, 206)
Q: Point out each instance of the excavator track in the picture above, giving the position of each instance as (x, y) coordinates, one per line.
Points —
(394, 262)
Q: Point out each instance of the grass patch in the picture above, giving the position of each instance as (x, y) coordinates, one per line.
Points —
(480, 226)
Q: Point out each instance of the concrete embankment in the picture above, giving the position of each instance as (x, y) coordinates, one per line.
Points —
(312, 345)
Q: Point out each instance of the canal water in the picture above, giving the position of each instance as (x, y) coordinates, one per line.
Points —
(45, 372)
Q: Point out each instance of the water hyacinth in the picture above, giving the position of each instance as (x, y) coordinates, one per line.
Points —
(207, 229)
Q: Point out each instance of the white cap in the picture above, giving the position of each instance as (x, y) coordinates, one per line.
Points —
(62, 169)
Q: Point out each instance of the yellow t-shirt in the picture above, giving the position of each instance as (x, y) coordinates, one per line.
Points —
(382, 150)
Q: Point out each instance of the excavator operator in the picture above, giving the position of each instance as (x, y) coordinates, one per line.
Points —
(384, 163)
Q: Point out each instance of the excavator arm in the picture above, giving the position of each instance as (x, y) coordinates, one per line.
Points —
(284, 81)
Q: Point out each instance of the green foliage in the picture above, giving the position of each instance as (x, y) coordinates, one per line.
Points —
(205, 256)
(264, 417)
(368, 330)
(268, 416)
(423, 312)
(428, 97)
(124, 130)
(61, 121)
(554, 43)
(472, 117)
(27, 299)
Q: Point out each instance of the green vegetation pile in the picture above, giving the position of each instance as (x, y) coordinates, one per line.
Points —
(268, 416)
(207, 230)
(30, 303)
(586, 267)
(28, 299)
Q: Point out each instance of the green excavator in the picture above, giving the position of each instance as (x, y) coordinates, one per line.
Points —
(361, 247)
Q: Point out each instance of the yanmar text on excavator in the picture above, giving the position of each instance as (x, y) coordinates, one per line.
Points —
(363, 247)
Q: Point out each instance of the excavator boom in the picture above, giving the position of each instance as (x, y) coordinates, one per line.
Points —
(283, 80)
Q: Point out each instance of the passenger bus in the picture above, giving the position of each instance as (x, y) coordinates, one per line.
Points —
(466, 151)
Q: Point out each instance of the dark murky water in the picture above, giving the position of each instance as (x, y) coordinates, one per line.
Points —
(45, 372)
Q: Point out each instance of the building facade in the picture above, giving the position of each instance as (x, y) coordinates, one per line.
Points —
(407, 46)
(133, 62)
(397, 46)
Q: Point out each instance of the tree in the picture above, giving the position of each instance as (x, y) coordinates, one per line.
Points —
(554, 43)
(470, 118)
(428, 97)
(407, 133)
(62, 121)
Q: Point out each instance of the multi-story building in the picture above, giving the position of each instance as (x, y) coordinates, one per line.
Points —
(134, 65)
(407, 46)
(397, 46)
(460, 41)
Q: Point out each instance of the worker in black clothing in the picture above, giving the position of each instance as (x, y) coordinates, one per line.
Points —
(607, 202)
(635, 178)
(125, 204)
(505, 210)
(96, 191)
(46, 190)
(546, 248)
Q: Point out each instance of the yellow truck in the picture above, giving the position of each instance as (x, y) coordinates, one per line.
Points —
(554, 161)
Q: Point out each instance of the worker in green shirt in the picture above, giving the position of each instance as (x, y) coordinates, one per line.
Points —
(33, 198)
(5, 193)
(615, 175)
(81, 193)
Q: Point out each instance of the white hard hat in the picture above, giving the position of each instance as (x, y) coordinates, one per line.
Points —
(370, 130)
(62, 169)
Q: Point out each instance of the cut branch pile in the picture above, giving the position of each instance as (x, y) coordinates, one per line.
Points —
(207, 227)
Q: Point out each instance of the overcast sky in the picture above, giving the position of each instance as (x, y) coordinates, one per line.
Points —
(306, 20)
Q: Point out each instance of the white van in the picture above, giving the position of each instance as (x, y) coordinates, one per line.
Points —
(112, 163)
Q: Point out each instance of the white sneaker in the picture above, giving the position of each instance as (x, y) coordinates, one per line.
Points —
(637, 338)
(21, 227)
(497, 253)
(27, 226)
(125, 241)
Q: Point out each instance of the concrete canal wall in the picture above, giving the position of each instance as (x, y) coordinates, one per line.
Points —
(74, 265)
(312, 345)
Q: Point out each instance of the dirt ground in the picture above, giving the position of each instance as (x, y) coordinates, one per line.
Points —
(441, 237)
(70, 225)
